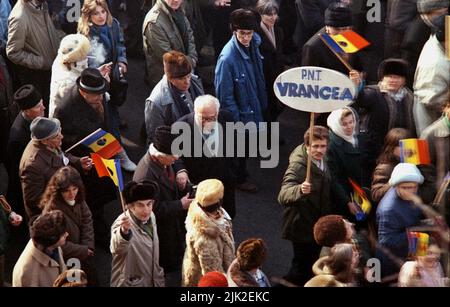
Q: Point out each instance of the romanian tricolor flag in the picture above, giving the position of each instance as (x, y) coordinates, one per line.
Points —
(108, 168)
(361, 199)
(347, 42)
(414, 151)
(418, 243)
(102, 143)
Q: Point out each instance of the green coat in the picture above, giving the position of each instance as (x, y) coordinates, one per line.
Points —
(161, 35)
(302, 211)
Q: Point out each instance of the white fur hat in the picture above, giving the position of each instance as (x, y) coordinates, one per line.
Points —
(74, 48)
(405, 172)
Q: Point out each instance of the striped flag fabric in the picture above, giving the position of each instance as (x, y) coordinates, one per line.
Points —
(347, 42)
(361, 199)
(102, 143)
(417, 243)
(414, 151)
(108, 168)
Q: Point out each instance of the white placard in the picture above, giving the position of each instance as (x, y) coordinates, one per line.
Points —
(314, 89)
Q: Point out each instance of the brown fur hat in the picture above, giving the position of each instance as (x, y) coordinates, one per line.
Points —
(251, 254)
(176, 64)
(329, 230)
(71, 278)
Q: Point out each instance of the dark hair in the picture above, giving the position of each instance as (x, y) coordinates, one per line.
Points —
(61, 180)
(320, 133)
(251, 254)
(266, 7)
(48, 228)
(391, 141)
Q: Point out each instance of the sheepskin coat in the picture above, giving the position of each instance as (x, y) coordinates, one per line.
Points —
(209, 247)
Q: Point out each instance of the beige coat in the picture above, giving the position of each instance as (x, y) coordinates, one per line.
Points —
(208, 248)
(135, 262)
(35, 269)
(33, 40)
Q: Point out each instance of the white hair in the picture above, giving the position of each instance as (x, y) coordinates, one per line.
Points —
(206, 100)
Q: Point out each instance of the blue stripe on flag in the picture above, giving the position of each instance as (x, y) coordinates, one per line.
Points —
(94, 138)
(332, 43)
(119, 174)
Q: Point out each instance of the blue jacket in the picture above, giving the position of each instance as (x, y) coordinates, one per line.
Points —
(104, 35)
(240, 85)
(5, 9)
(394, 216)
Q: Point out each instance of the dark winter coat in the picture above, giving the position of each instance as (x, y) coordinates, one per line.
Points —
(168, 211)
(201, 168)
(302, 211)
(344, 161)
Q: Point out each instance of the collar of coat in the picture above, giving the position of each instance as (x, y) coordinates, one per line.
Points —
(50, 157)
(241, 278)
(198, 222)
(254, 44)
(44, 259)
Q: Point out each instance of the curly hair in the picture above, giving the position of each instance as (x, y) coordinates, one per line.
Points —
(48, 228)
(64, 178)
(251, 254)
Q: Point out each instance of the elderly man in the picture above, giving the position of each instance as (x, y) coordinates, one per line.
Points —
(239, 80)
(41, 159)
(204, 125)
(173, 202)
(33, 43)
(166, 28)
(31, 106)
(173, 97)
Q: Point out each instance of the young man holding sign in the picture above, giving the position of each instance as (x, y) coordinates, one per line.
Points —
(305, 202)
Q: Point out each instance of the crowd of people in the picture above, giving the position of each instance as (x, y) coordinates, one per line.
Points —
(63, 78)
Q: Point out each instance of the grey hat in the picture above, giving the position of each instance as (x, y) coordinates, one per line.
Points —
(43, 128)
(427, 6)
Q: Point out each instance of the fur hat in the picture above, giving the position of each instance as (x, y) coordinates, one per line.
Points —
(398, 67)
(213, 279)
(43, 128)
(71, 278)
(176, 65)
(405, 172)
(74, 48)
(48, 228)
(163, 140)
(338, 15)
(209, 192)
(329, 230)
(91, 81)
(251, 254)
(427, 6)
(144, 190)
(242, 19)
(27, 97)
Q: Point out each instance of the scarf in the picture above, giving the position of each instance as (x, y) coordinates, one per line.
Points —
(270, 33)
(397, 96)
(334, 123)
(446, 120)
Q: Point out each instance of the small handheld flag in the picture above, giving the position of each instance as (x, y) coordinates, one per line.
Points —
(108, 168)
(347, 42)
(417, 243)
(361, 199)
(414, 151)
(102, 143)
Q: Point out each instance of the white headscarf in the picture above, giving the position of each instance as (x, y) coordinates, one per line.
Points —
(334, 123)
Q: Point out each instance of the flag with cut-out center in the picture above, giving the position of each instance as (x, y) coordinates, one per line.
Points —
(109, 168)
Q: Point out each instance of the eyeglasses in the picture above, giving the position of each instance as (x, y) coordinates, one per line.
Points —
(207, 118)
(243, 33)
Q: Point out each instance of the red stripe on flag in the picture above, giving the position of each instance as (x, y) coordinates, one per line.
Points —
(102, 171)
(110, 150)
(424, 155)
(357, 40)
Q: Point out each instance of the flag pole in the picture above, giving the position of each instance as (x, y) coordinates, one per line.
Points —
(343, 61)
(311, 132)
(72, 147)
(122, 201)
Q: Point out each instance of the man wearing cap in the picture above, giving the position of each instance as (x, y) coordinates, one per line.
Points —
(84, 109)
(41, 159)
(209, 238)
(31, 106)
(173, 202)
(134, 239)
(239, 81)
(386, 105)
(173, 97)
(166, 28)
(396, 213)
